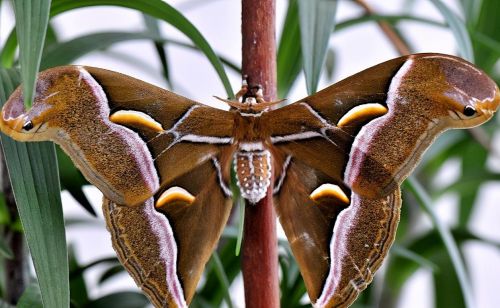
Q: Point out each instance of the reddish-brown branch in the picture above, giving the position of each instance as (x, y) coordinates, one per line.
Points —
(398, 43)
(259, 253)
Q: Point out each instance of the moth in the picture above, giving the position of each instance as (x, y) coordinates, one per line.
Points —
(163, 163)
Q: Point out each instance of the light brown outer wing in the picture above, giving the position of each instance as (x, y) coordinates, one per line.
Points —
(362, 237)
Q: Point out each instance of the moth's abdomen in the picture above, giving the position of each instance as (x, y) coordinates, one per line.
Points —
(253, 173)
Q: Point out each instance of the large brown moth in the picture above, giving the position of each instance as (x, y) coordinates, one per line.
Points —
(339, 156)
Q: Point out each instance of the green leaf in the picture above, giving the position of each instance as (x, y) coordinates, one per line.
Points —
(398, 250)
(428, 245)
(64, 53)
(160, 10)
(73, 181)
(153, 28)
(317, 19)
(78, 287)
(487, 42)
(212, 291)
(459, 30)
(31, 297)
(447, 238)
(32, 18)
(221, 274)
(289, 58)
(487, 25)
(8, 53)
(5, 218)
(120, 299)
(35, 182)
(111, 272)
(446, 284)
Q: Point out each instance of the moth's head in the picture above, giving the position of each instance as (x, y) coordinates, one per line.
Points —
(252, 102)
(465, 95)
(58, 92)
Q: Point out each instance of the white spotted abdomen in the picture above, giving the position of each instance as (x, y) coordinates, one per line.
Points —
(253, 173)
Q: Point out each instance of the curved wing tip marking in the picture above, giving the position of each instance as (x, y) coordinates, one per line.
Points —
(174, 194)
(329, 191)
(136, 118)
(362, 112)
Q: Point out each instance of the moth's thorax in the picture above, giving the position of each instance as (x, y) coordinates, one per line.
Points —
(252, 164)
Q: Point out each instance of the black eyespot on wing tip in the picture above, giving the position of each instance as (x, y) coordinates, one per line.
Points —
(469, 111)
(28, 126)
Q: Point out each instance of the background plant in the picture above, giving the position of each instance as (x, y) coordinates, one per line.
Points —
(33, 168)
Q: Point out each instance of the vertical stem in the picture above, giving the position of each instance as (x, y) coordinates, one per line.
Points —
(259, 253)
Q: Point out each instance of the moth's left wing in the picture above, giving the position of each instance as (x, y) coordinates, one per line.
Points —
(166, 242)
(161, 160)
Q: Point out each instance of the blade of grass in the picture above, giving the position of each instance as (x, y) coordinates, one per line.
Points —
(487, 23)
(212, 291)
(289, 57)
(491, 44)
(35, 182)
(8, 52)
(32, 18)
(31, 297)
(446, 284)
(458, 28)
(160, 10)
(447, 238)
(241, 222)
(221, 274)
(428, 245)
(406, 253)
(153, 28)
(317, 19)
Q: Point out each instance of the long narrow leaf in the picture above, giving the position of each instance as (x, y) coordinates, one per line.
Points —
(317, 19)
(163, 11)
(64, 53)
(154, 28)
(8, 52)
(458, 28)
(487, 24)
(32, 18)
(221, 274)
(35, 182)
(289, 57)
(448, 240)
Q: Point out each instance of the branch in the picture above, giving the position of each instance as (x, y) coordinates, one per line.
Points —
(259, 253)
(401, 47)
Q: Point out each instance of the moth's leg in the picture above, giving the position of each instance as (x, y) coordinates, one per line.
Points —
(259, 94)
(362, 236)
(244, 88)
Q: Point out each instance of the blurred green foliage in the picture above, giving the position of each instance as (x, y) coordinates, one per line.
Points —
(438, 249)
